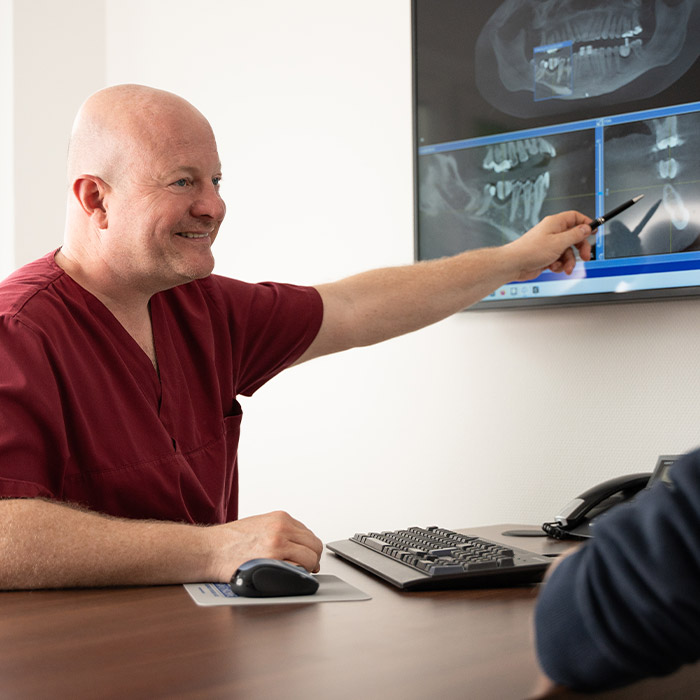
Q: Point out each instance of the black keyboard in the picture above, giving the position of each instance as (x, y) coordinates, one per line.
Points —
(432, 558)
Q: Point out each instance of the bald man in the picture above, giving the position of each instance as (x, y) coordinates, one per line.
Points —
(121, 357)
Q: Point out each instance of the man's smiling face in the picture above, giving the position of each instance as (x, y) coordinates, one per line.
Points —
(164, 208)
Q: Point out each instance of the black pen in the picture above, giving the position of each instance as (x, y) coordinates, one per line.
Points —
(609, 215)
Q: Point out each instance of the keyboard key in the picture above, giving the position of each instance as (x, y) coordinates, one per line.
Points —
(442, 569)
(442, 552)
(479, 565)
(373, 543)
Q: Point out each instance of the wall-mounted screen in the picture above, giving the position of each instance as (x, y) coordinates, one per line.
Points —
(524, 108)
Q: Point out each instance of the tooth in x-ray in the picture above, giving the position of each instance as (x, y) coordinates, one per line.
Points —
(503, 157)
(677, 211)
(489, 192)
(668, 169)
(666, 130)
(533, 56)
(655, 240)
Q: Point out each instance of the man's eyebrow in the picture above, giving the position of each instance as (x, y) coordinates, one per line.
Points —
(190, 169)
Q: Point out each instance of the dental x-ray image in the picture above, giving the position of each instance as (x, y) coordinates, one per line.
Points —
(533, 57)
(666, 157)
(489, 195)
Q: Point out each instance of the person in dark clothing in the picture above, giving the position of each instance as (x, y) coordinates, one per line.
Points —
(625, 606)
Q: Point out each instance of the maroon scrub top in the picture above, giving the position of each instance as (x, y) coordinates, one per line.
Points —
(85, 418)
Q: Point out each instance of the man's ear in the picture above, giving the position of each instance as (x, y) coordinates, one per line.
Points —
(90, 191)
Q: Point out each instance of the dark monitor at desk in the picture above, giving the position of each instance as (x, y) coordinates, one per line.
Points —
(524, 108)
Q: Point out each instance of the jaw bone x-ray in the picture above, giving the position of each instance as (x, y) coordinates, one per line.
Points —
(562, 50)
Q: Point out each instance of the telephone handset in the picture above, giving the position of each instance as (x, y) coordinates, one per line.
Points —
(575, 518)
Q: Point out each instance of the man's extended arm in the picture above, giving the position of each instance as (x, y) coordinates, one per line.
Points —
(44, 544)
(374, 306)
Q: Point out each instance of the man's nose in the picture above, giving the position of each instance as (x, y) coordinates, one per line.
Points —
(209, 204)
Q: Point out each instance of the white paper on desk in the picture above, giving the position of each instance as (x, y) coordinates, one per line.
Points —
(331, 589)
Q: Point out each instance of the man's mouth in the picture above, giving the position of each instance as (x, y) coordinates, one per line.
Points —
(192, 235)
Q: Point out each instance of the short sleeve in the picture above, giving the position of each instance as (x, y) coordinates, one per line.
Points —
(271, 326)
(32, 437)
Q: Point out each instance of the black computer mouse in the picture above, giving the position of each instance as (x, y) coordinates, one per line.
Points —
(261, 578)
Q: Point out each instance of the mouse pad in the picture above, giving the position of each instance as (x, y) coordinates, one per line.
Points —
(331, 589)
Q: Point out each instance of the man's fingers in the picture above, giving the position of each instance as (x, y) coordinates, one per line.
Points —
(300, 534)
(278, 536)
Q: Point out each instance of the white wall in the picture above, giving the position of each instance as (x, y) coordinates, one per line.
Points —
(486, 417)
(7, 203)
(57, 59)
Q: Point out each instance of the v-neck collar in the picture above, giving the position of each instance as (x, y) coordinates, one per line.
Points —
(140, 365)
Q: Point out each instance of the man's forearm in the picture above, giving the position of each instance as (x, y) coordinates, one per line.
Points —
(393, 301)
(381, 304)
(44, 544)
(49, 545)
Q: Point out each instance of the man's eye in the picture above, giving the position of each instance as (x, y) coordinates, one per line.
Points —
(216, 181)
(182, 182)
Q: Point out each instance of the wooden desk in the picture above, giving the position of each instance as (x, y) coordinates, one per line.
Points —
(156, 643)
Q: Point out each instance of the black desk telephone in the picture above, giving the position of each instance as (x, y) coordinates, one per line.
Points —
(575, 520)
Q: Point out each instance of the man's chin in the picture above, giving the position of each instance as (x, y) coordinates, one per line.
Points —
(197, 274)
(185, 275)
(198, 269)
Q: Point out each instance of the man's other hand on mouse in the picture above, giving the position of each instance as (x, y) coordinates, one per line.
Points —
(269, 536)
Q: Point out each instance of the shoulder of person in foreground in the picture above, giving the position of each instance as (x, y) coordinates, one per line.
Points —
(625, 606)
